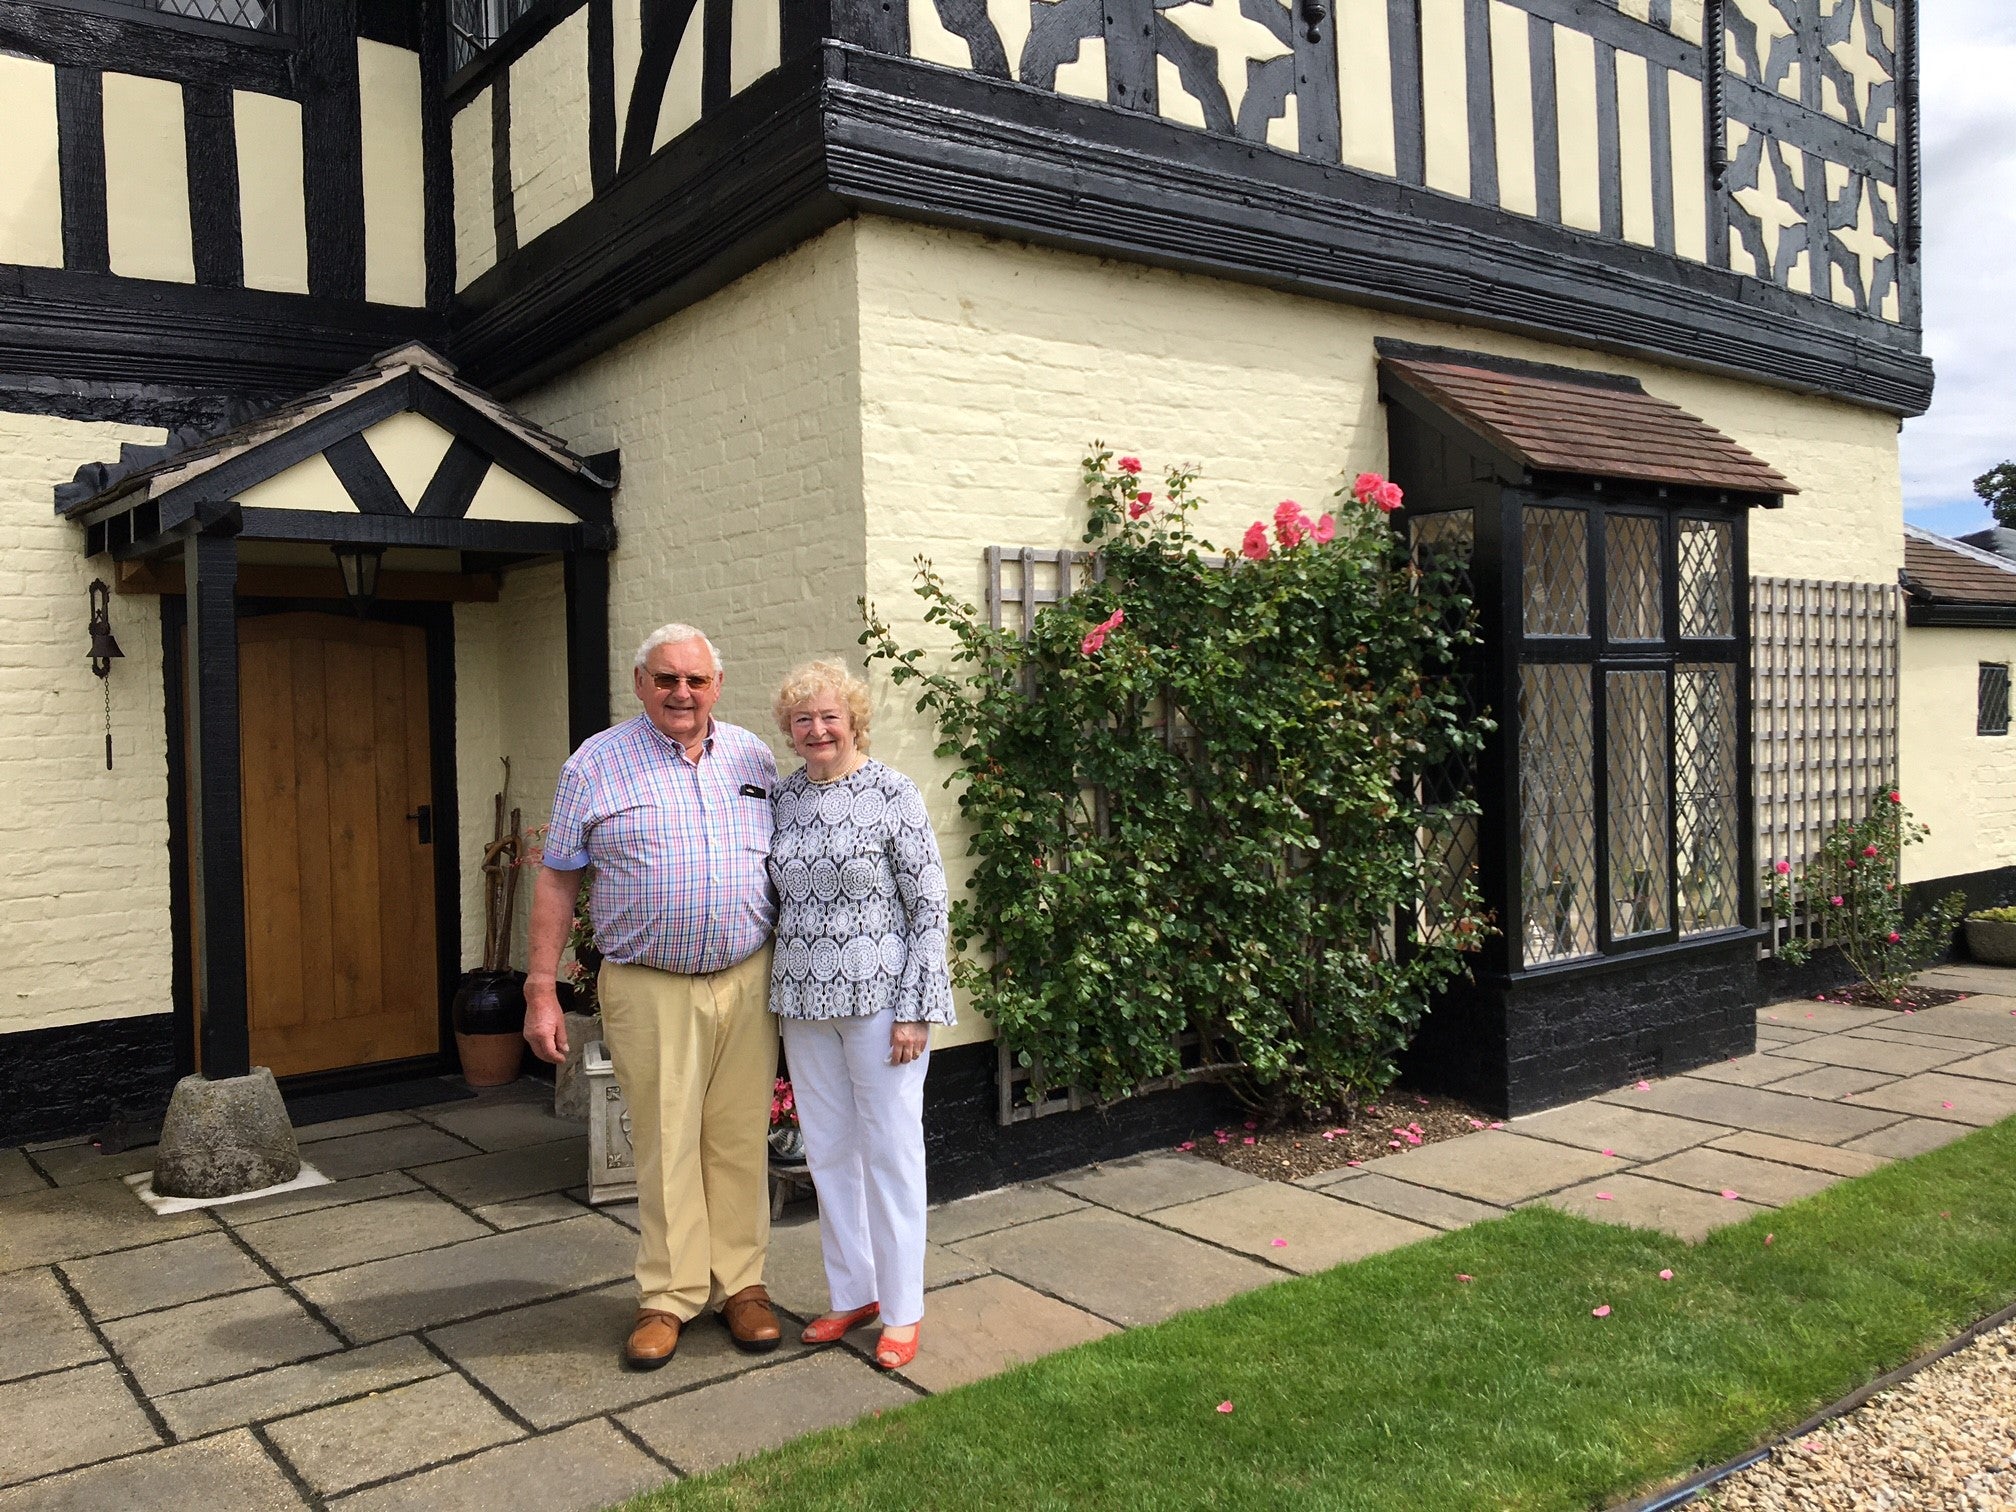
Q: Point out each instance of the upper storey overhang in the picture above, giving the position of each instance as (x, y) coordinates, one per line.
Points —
(1738, 196)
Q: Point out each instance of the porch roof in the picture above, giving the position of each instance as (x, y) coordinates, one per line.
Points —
(1953, 583)
(400, 452)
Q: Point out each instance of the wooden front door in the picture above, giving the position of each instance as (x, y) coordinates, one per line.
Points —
(339, 876)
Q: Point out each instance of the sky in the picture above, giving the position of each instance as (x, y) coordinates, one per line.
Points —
(1968, 50)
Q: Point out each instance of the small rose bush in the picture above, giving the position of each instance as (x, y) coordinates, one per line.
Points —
(1194, 801)
(1852, 889)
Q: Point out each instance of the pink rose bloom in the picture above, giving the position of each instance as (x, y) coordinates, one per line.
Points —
(1364, 486)
(1895, 937)
(1142, 503)
(1324, 531)
(1784, 868)
(1388, 497)
(1896, 797)
(1129, 465)
(1868, 850)
(1289, 524)
(1096, 636)
(1835, 900)
(1254, 547)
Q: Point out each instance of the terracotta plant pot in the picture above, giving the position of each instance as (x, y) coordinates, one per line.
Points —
(490, 1060)
(489, 1014)
(1992, 941)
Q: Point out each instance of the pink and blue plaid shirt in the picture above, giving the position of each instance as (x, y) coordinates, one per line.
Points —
(679, 850)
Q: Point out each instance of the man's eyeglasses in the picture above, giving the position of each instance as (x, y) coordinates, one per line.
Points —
(668, 682)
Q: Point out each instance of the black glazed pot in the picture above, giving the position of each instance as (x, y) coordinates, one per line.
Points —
(490, 1002)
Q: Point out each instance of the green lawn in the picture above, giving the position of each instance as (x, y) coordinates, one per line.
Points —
(1391, 1384)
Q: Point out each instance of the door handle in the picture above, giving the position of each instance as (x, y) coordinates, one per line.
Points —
(425, 814)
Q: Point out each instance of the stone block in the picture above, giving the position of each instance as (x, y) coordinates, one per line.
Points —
(1755, 1108)
(1634, 1202)
(570, 1087)
(1886, 1056)
(1908, 1137)
(17, 1175)
(1841, 1161)
(1992, 1019)
(1004, 1208)
(296, 1388)
(717, 1425)
(1956, 1099)
(201, 1342)
(795, 1271)
(1764, 1182)
(57, 1422)
(386, 1150)
(79, 1161)
(506, 1175)
(39, 1227)
(332, 1238)
(1751, 1070)
(224, 1137)
(1821, 1018)
(1914, 1037)
(343, 1128)
(980, 1328)
(227, 1473)
(1996, 1065)
(1155, 1180)
(163, 1275)
(42, 1330)
(1495, 1166)
(388, 1433)
(586, 1468)
(503, 1125)
(1120, 1267)
(560, 1361)
(1832, 1081)
(1632, 1132)
(1321, 1231)
(314, 1199)
(387, 1297)
(524, 1212)
(1403, 1199)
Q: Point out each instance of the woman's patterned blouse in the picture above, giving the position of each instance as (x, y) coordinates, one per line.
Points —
(862, 900)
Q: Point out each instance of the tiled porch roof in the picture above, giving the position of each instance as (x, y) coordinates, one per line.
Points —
(1944, 571)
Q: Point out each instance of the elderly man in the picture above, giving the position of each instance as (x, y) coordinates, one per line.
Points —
(672, 809)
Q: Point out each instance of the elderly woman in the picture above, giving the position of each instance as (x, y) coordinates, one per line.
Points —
(859, 978)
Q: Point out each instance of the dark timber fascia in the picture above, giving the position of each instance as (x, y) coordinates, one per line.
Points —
(80, 157)
(586, 576)
(332, 144)
(1960, 616)
(97, 34)
(210, 141)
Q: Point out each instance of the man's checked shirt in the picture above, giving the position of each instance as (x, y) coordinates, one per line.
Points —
(679, 850)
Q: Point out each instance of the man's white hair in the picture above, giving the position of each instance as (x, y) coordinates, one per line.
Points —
(676, 635)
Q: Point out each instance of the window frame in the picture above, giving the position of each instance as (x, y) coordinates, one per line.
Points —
(1982, 686)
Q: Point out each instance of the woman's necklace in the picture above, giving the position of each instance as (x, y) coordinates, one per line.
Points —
(859, 762)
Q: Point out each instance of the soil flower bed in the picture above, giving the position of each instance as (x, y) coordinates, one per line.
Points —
(1399, 1120)
(1862, 995)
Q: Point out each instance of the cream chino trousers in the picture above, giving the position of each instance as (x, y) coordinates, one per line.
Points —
(696, 1057)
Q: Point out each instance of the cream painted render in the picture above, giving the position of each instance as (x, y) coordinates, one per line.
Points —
(272, 200)
(755, 41)
(550, 176)
(1575, 98)
(31, 192)
(84, 895)
(469, 147)
(680, 106)
(409, 447)
(626, 51)
(1365, 86)
(1512, 108)
(1960, 784)
(146, 180)
(1445, 91)
(309, 484)
(395, 247)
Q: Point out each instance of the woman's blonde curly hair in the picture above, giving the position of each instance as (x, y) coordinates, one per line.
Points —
(808, 680)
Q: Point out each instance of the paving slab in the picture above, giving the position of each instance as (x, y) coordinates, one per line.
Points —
(523, 1212)
(76, 1164)
(17, 1175)
(1886, 1056)
(795, 1273)
(1823, 1018)
(332, 1238)
(1918, 1037)
(1144, 1183)
(1403, 1199)
(297, 1388)
(201, 1342)
(1756, 1108)
(507, 1175)
(720, 1424)
(37, 1228)
(585, 1468)
(386, 1150)
(1908, 1137)
(1995, 1065)
(315, 1199)
(336, 1449)
(996, 1210)
(1120, 1267)
(163, 1275)
(1757, 1070)
(1632, 1132)
(1772, 1035)
(1495, 1166)
(1799, 1152)
(1992, 1019)
(228, 1473)
(1764, 1182)
(980, 1328)
(1634, 1202)
(1833, 1081)
(560, 1361)
(407, 1292)
(504, 1125)
(1938, 1094)
(57, 1422)
(343, 1128)
(1970, 976)
(40, 1328)
(1320, 1231)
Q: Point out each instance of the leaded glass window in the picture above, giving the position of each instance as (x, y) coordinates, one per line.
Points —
(1449, 842)
(1705, 795)
(1557, 828)
(253, 15)
(1707, 578)
(1991, 699)
(1557, 572)
(1635, 584)
(476, 25)
(1640, 788)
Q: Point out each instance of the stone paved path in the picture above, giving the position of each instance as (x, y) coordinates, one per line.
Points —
(438, 1328)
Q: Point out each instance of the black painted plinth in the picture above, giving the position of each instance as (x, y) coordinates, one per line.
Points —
(1530, 1042)
(76, 1079)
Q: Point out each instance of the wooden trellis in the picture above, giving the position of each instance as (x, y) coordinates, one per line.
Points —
(1824, 675)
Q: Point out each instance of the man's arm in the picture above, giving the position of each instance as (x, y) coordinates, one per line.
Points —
(553, 895)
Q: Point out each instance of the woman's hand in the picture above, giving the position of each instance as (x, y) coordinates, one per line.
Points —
(907, 1042)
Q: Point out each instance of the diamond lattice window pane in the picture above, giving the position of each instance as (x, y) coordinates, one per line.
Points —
(1635, 735)
(1557, 815)
(1449, 842)
(257, 15)
(1635, 585)
(1704, 788)
(1557, 571)
(1707, 578)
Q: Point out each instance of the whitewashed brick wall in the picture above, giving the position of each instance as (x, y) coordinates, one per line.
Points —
(1961, 784)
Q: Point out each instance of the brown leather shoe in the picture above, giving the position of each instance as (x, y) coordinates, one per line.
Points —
(750, 1322)
(652, 1340)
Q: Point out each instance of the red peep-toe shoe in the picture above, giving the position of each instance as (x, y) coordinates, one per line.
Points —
(829, 1330)
(890, 1355)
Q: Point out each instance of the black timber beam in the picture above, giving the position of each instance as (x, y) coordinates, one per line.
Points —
(104, 34)
(586, 576)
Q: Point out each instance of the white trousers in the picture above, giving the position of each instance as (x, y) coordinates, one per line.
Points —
(864, 1140)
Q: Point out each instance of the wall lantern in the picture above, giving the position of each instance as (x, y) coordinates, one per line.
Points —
(360, 573)
(103, 649)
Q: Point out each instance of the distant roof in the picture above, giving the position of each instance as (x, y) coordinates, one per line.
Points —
(1940, 570)
(1998, 540)
(1563, 420)
(191, 452)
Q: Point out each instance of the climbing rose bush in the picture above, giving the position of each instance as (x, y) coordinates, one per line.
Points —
(1193, 796)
